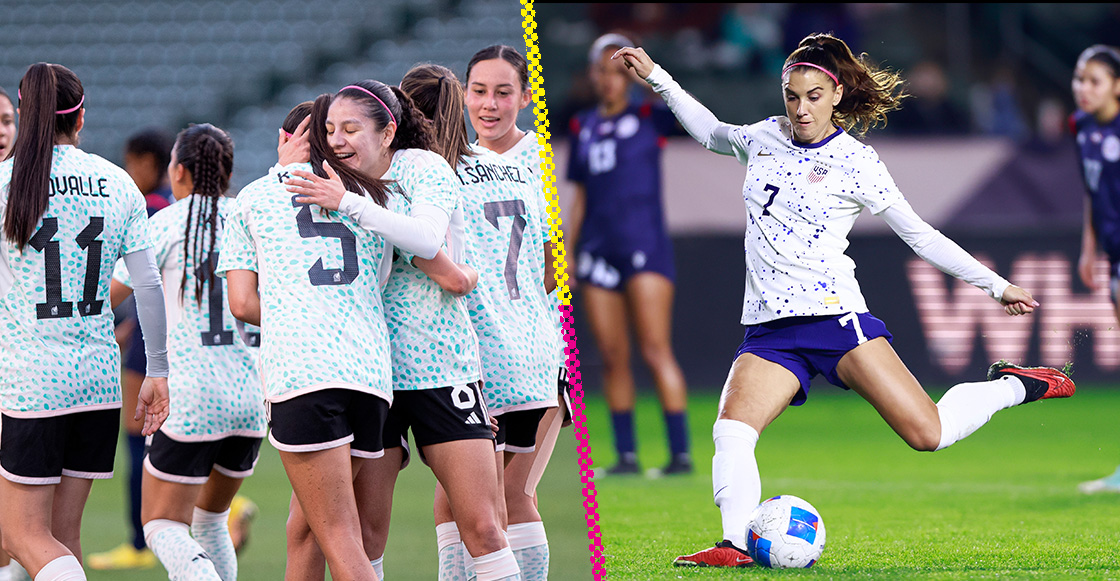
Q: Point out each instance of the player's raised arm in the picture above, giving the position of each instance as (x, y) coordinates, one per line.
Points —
(700, 122)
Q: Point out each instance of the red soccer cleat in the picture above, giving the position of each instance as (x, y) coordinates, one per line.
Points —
(1041, 382)
(724, 554)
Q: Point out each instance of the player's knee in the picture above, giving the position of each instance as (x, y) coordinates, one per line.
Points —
(486, 534)
(924, 439)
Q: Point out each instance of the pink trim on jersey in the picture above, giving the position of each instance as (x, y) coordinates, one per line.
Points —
(818, 67)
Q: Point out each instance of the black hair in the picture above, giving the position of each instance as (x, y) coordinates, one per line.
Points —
(152, 141)
(207, 153)
(506, 53)
(1104, 54)
(46, 89)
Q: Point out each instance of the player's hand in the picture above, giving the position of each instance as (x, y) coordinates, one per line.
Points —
(636, 59)
(324, 192)
(494, 426)
(1087, 272)
(297, 148)
(153, 405)
(1017, 301)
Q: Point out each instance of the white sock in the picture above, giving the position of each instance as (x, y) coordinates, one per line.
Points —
(497, 566)
(736, 485)
(967, 406)
(530, 548)
(6, 572)
(211, 530)
(379, 567)
(452, 553)
(65, 568)
(182, 556)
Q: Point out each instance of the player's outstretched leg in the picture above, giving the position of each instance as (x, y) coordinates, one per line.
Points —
(724, 554)
(1040, 382)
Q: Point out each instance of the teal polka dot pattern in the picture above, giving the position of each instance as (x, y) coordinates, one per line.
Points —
(529, 152)
(215, 387)
(57, 350)
(433, 341)
(322, 318)
(502, 207)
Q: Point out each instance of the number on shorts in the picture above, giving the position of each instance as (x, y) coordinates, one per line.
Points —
(462, 396)
(308, 228)
(43, 241)
(515, 208)
(854, 320)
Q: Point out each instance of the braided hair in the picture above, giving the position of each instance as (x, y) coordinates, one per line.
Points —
(207, 153)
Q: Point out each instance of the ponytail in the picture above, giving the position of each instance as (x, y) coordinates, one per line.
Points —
(438, 95)
(44, 88)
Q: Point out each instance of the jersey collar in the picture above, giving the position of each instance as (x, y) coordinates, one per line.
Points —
(819, 143)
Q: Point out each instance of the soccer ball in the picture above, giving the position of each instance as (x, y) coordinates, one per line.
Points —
(785, 532)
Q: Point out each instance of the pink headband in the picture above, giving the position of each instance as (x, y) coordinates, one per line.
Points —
(818, 67)
(368, 92)
(64, 111)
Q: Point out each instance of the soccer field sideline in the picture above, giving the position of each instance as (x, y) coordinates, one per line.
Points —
(1001, 504)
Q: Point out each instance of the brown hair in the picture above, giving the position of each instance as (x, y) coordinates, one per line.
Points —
(869, 92)
(438, 94)
(296, 116)
(45, 89)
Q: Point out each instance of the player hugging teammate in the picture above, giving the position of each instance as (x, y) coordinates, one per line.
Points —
(416, 299)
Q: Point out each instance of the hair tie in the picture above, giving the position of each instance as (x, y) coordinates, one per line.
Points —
(818, 67)
(19, 96)
(370, 93)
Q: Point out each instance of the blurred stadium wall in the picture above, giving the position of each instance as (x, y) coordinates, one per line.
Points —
(982, 152)
(239, 64)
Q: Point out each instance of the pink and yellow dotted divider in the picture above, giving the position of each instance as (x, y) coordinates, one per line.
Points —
(548, 171)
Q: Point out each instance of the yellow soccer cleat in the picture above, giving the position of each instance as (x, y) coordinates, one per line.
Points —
(124, 556)
(242, 511)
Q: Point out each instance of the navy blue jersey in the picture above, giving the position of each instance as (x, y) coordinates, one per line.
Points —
(1098, 147)
(618, 161)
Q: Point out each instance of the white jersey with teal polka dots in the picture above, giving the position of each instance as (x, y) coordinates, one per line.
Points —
(529, 152)
(434, 343)
(214, 382)
(503, 208)
(321, 311)
(57, 350)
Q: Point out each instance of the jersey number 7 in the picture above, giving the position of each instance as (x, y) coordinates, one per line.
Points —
(515, 208)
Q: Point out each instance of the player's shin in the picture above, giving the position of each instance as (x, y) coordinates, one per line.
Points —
(735, 481)
(967, 406)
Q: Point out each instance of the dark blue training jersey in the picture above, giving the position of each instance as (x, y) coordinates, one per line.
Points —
(618, 161)
(1098, 147)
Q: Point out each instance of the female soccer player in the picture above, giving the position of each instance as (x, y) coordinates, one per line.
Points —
(509, 308)
(1096, 90)
(497, 88)
(196, 462)
(625, 255)
(68, 216)
(436, 375)
(319, 277)
(807, 180)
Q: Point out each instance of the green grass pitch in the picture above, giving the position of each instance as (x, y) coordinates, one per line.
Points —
(1001, 504)
(411, 553)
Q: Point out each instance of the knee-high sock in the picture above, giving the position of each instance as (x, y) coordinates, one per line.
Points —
(182, 556)
(530, 547)
(211, 530)
(735, 481)
(967, 406)
(452, 553)
(66, 568)
(379, 567)
(497, 566)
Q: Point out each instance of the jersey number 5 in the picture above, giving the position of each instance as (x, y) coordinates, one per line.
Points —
(515, 208)
(43, 241)
(319, 275)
